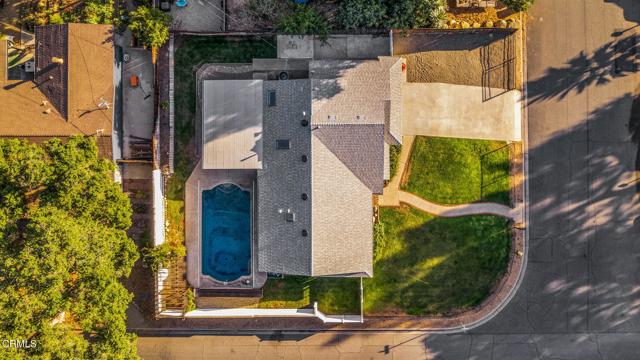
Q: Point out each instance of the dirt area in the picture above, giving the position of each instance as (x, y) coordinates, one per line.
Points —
(478, 57)
(141, 283)
(479, 15)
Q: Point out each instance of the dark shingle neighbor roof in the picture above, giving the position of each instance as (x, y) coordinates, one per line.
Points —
(283, 179)
(360, 148)
(52, 78)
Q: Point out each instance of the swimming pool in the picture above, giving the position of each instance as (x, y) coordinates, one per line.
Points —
(226, 232)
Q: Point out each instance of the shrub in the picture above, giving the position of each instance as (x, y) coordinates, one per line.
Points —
(190, 304)
(266, 13)
(379, 240)
(157, 256)
(412, 14)
(394, 158)
(356, 14)
(55, 19)
(518, 5)
(305, 20)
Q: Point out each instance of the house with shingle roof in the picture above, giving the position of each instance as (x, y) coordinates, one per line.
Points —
(66, 89)
(319, 145)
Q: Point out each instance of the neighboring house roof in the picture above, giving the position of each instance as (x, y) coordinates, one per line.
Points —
(282, 181)
(73, 90)
(232, 124)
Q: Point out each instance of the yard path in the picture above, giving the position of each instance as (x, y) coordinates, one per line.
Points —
(392, 196)
(460, 210)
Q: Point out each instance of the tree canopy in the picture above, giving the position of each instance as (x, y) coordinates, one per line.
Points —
(63, 250)
(150, 26)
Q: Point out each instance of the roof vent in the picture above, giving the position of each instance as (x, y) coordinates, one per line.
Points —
(283, 75)
(304, 158)
(332, 117)
(305, 232)
(271, 98)
(290, 217)
(304, 196)
(304, 122)
(283, 144)
(360, 117)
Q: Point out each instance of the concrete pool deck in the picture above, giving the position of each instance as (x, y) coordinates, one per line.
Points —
(198, 181)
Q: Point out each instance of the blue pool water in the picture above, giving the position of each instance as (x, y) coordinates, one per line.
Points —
(226, 232)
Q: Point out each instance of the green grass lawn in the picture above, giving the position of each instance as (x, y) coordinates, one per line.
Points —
(334, 296)
(459, 171)
(427, 265)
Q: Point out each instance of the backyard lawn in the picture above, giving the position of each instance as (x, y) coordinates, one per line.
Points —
(459, 171)
(427, 265)
(334, 296)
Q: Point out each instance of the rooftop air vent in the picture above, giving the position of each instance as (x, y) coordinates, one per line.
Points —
(290, 217)
(304, 196)
(283, 144)
(360, 117)
(304, 158)
(304, 122)
(271, 98)
(283, 75)
(305, 232)
(332, 117)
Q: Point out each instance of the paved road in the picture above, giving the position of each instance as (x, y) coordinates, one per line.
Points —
(581, 295)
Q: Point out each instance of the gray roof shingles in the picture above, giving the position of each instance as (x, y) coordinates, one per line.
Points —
(282, 181)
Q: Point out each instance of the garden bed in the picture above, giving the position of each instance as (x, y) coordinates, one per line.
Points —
(458, 171)
(427, 265)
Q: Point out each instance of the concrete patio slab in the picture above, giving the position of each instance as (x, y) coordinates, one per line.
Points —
(203, 16)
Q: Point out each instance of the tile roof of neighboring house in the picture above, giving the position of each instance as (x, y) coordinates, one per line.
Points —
(342, 213)
(360, 148)
(73, 90)
(283, 179)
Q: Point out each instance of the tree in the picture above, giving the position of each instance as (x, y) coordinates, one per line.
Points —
(518, 5)
(305, 20)
(63, 249)
(151, 27)
(98, 12)
(357, 14)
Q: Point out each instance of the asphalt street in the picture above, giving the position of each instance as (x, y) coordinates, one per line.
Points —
(580, 298)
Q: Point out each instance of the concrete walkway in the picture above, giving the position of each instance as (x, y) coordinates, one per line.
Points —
(392, 196)
(460, 210)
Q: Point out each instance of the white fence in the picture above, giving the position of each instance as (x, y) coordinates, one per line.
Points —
(257, 313)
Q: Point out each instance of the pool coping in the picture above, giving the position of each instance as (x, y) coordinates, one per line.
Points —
(199, 181)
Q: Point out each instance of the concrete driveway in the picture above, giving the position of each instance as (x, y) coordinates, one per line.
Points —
(462, 111)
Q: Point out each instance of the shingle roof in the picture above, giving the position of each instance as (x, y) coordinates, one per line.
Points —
(282, 181)
(360, 148)
(342, 217)
(84, 79)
